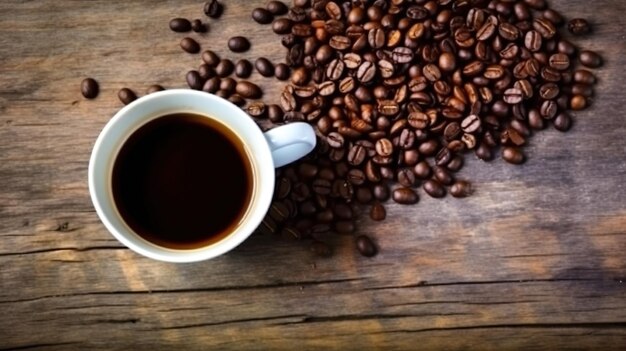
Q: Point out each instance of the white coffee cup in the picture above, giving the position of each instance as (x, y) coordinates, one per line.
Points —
(275, 148)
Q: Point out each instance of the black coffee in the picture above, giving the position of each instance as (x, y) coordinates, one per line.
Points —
(182, 181)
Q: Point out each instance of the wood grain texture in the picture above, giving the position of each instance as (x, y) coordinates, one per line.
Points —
(534, 260)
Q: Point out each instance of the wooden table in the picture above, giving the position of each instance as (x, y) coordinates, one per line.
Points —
(534, 260)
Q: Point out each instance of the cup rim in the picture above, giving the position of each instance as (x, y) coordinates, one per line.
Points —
(258, 152)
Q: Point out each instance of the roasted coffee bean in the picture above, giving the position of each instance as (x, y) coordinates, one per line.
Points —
(283, 188)
(275, 113)
(381, 192)
(264, 67)
(405, 196)
(363, 195)
(512, 155)
(126, 96)
(282, 25)
(248, 90)
(237, 100)
(544, 27)
(322, 186)
(223, 94)
(308, 170)
(513, 96)
(562, 122)
(356, 155)
(206, 71)
(549, 91)
(228, 85)
(406, 177)
(442, 175)
(584, 77)
(288, 101)
(548, 109)
(257, 109)
(277, 8)
(578, 26)
(455, 164)
(590, 59)
(210, 58)
(262, 16)
(243, 68)
(340, 42)
(189, 45)
(378, 212)
(508, 31)
(365, 246)
(198, 27)
(268, 226)
(461, 188)
(194, 81)
(443, 157)
(213, 9)
(384, 147)
(335, 69)
(180, 25)
(335, 140)
(212, 85)
(486, 31)
(224, 68)
(559, 62)
(402, 54)
(483, 152)
(89, 88)
(366, 72)
(282, 71)
(578, 102)
(154, 88)
(434, 188)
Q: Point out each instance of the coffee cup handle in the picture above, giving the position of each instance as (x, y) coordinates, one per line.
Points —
(290, 142)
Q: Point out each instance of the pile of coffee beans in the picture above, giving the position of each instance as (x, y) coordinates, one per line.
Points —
(399, 92)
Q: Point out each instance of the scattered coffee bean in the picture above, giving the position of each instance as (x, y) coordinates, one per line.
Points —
(405, 196)
(224, 68)
(282, 26)
(262, 16)
(277, 8)
(578, 26)
(264, 67)
(194, 80)
(210, 58)
(126, 96)
(512, 155)
(243, 68)
(378, 212)
(248, 90)
(197, 26)
(238, 44)
(180, 25)
(213, 9)
(89, 88)
(154, 88)
(366, 246)
(189, 45)
(282, 71)
(461, 188)
(590, 59)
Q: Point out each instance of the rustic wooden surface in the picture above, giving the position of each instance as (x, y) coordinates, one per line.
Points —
(535, 260)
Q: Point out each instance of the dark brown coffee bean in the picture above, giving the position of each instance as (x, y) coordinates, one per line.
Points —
(213, 9)
(262, 16)
(89, 88)
(388, 107)
(365, 246)
(238, 44)
(456, 163)
(461, 188)
(402, 54)
(548, 109)
(198, 27)
(443, 176)
(340, 42)
(344, 227)
(335, 69)
(224, 68)
(206, 71)
(268, 226)
(189, 45)
(378, 212)
(549, 91)
(228, 85)
(578, 26)
(194, 80)
(533, 41)
(154, 88)
(223, 94)
(381, 192)
(210, 58)
(126, 96)
(212, 85)
(243, 68)
(544, 27)
(584, 77)
(237, 100)
(366, 72)
(513, 155)
(180, 25)
(282, 71)
(513, 96)
(248, 90)
(434, 188)
(257, 109)
(406, 177)
(405, 196)
(364, 195)
(384, 147)
(335, 140)
(559, 62)
(275, 113)
(483, 152)
(356, 155)
(277, 8)
(264, 67)
(590, 59)
(282, 25)
(443, 157)
(562, 122)
(508, 31)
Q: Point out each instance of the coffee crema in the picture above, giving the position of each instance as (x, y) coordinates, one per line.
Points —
(182, 181)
